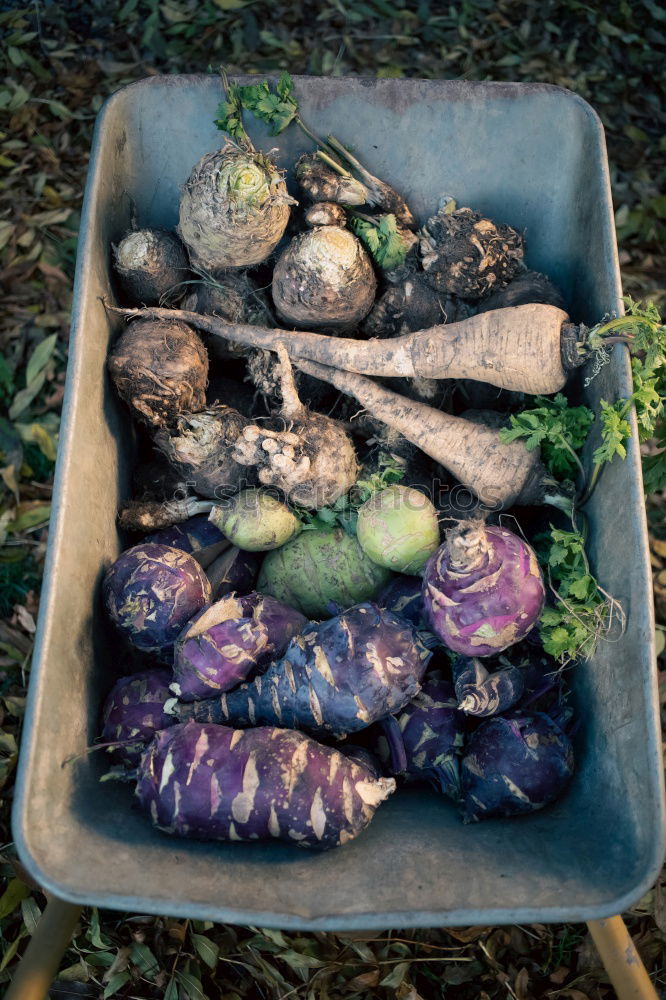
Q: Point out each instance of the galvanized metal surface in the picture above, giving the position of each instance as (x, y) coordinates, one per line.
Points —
(532, 155)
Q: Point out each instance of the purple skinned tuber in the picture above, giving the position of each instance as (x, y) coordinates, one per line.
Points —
(482, 693)
(230, 640)
(151, 591)
(335, 678)
(210, 782)
(134, 712)
(514, 764)
(483, 589)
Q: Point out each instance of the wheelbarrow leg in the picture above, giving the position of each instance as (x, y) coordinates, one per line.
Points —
(41, 959)
(621, 960)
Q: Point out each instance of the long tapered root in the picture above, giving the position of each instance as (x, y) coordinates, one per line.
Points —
(519, 348)
(499, 474)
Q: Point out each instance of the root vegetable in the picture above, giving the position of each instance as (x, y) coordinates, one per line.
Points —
(464, 254)
(528, 348)
(230, 640)
(335, 678)
(403, 596)
(160, 370)
(398, 528)
(530, 286)
(312, 461)
(483, 589)
(255, 521)
(151, 591)
(215, 783)
(200, 447)
(134, 711)
(149, 263)
(196, 535)
(481, 693)
(320, 569)
(321, 183)
(234, 298)
(432, 731)
(235, 571)
(407, 306)
(233, 210)
(148, 515)
(324, 278)
(326, 213)
(514, 764)
(499, 474)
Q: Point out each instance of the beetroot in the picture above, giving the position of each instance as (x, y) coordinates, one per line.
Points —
(483, 589)
(514, 764)
(134, 712)
(213, 783)
(229, 640)
(152, 591)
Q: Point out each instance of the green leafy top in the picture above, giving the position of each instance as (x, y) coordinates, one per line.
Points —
(382, 238)
(559, 429)
(641, 328)
(230, 114)
(344, 511)
(276, 109)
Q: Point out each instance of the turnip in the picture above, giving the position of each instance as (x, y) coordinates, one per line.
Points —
(233, 210)
(528, 348)
(398, 528)
(464, 254)
(160, 370)
(307, 455)
(215, 783)
(324, 278)
(228, 641)
(149, 264)
(134, 711)
(481, 693)
(319, 569)
(334, 678)
(151, 591)
(514, 764)
(483, 589)
(200, 447)
(255, 521)
(235, 570)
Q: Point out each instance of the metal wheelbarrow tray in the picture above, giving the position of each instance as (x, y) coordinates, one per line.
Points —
(532, 155)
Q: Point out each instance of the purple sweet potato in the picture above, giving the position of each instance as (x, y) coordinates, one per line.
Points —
(210, 782)
(230, 640)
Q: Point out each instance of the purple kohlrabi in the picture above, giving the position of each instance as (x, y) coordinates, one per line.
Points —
(229, 641)
(152, 591)
(482, 693)
(197, 535)
(134, 712)
(403, 597)
(334, 678)
(425, 739)
(483, 589)
(514, 764)
(210, 782)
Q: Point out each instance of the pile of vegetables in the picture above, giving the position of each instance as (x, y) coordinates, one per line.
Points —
(313, 617)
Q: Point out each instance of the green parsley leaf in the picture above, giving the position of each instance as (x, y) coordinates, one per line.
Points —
(382, 238)
(558, 429)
